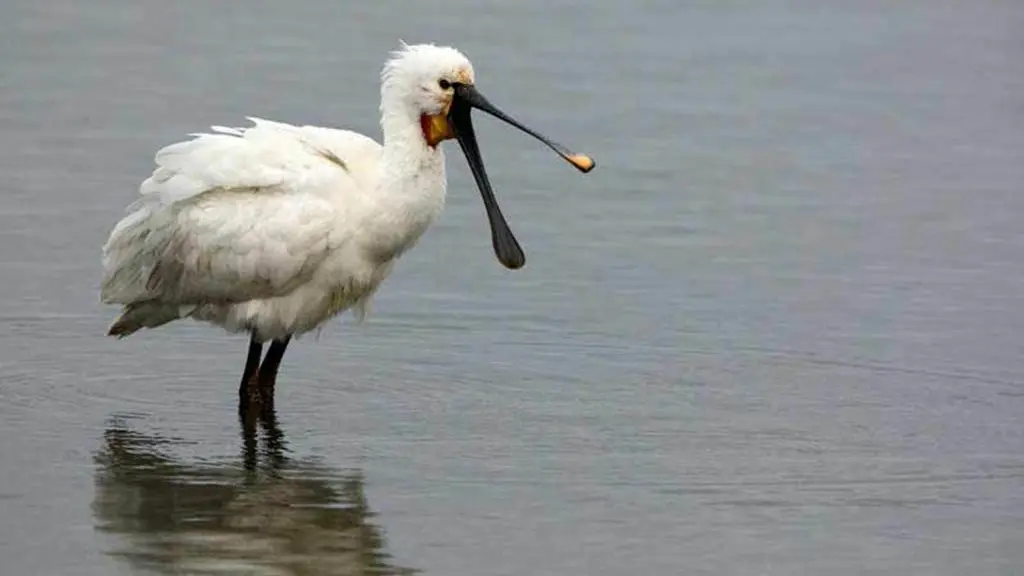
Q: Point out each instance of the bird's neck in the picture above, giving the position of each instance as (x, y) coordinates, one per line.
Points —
(408, 164)
(411, 186)
(404, 141)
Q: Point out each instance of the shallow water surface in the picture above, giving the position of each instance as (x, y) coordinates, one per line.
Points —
(776, 331)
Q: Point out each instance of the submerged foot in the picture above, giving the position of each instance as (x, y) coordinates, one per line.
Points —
(255, 409)
(256, 398)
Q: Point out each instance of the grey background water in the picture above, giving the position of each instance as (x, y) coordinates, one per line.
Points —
(778, 331)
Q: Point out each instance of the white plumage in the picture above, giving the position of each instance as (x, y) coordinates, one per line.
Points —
(275, 228)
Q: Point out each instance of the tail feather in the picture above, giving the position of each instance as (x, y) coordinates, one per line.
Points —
(143, 315)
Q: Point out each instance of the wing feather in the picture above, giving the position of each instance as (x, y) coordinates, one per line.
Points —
(238, 214)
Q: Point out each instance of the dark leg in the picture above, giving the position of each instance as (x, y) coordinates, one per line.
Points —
(247, 390)
(268, 369)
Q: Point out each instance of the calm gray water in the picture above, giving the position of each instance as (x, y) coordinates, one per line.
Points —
(777, 331)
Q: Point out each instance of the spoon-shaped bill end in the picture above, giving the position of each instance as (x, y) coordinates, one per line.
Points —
(582, 162)
(509, 253)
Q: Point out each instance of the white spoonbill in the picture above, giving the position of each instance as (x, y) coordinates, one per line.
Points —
(274, 229)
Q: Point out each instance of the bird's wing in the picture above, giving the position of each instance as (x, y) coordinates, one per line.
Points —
(237, 214)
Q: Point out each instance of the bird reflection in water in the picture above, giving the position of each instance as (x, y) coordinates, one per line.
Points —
(265, 514)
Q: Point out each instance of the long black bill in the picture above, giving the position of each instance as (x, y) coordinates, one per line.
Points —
(506, 248)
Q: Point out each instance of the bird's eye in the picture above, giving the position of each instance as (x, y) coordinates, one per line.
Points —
(444, 84)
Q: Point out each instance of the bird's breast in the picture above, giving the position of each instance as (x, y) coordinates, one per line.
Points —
(355, 285)
(400, 218)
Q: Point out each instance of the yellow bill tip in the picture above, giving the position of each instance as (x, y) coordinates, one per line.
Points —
(581, 161)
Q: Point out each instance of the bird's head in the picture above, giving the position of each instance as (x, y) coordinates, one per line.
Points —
(436, 86)
(420, 81)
